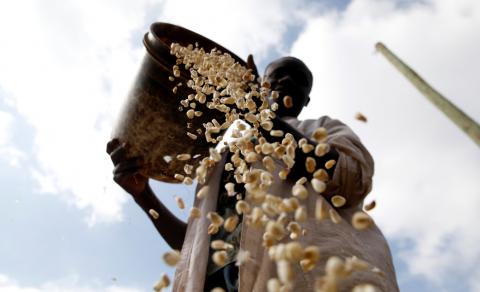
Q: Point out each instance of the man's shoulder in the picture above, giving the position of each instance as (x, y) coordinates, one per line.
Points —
(322, 121)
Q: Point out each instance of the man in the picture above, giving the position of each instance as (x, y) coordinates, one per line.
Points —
(351, 177)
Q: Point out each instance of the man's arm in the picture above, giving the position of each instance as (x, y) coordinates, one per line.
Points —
(168, 225)
(127, 174)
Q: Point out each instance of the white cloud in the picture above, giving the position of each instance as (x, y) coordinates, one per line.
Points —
(66, 67)
(67, 284)
(426, 182)
(245, 27)
(7, 151)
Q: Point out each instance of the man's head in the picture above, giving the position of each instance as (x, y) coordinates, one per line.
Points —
(290, 76)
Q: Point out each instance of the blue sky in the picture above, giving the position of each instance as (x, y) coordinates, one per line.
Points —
(67, 227)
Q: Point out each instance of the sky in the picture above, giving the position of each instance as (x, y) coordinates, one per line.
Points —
(66, 67)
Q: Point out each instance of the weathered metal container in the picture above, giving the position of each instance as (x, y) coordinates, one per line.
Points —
(150, 122)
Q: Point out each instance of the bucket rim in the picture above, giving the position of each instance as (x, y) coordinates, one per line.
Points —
(156, 47)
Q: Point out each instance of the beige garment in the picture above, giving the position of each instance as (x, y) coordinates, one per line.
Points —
(352, 179)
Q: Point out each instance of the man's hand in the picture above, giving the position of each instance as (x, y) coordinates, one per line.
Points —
(126, 172)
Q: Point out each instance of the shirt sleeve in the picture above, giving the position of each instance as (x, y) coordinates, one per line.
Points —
(354, 169)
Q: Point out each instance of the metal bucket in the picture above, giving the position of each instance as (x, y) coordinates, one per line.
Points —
(150, 122)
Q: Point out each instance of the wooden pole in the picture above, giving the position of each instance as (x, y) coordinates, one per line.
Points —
(462, 120)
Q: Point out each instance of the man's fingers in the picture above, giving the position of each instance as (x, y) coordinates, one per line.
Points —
(118, 155)
(129, 166)
(126, 176)
(112, 144)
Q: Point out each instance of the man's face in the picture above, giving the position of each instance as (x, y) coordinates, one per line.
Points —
(289, 76)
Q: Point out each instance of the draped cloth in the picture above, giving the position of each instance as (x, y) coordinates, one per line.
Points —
(352, 179)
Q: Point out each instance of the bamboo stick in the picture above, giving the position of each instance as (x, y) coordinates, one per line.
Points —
(462, 120)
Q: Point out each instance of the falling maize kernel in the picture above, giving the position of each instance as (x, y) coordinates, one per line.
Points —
(183, 157)
(359, 116)
(256, 217)
(321, 149)
(311, 253)
(180, 202)
(299, 191)
(195, 213)
(154, 214)
(307, 265)
(320, 209)
(355, 264)
(302, 142)
(229, 167)
(283, 174)
(335, 266)
(203, 192)
(361, 220)
(172, 257)
(287, 101)
(268, 239)
(243, 256)
(251, 157)
(366, 287)
(215, 218)
(370, 206)
(190, 113)
(274, 94)
(230, 187)
(192, 136)
(274, 106)
(217, 289)
(220, 244)
(307, 148)
(319, 134)
(289, 204)
(301, 181)
(267, 125)
(318, 185)
(377, 271)
(288, 160)
(301, 214)
(179, 177)
(230, 223)
(334, 216)
(268, 164)
(294, 227)
(220, 258)
(276, 133)
(163, 283)
(310, 164)
(274, 285)
(294, 251)
(338, 201)
(187, 181)
(329, 164)
(242, 207)
(276, 229)
(188, 168)
(321, 174)
(285, 272)
(267, 149)
(212, 229)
